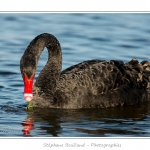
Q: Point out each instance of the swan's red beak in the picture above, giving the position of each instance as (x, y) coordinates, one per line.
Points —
(28, 84)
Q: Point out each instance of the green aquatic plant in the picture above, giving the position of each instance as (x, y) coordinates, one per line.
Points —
(29, 106)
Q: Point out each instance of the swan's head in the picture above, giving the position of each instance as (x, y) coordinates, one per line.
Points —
(28, 69)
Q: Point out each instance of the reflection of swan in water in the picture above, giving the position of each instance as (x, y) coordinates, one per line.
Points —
(28, 124)
(89, 84)
(47, 122)
(64, 122)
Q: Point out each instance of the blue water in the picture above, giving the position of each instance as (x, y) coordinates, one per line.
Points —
(82, 37)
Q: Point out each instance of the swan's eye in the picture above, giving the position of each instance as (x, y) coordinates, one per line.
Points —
(23, 71)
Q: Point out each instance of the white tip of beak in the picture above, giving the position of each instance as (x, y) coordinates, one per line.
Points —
(28, 97)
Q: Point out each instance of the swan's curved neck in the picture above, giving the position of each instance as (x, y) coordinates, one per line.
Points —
(49, 76)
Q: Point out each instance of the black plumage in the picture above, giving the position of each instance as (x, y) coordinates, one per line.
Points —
(89, 84)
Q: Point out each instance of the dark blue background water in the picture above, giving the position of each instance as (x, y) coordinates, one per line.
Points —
(82, 37)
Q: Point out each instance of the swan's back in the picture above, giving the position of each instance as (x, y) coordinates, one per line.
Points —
(99, 83)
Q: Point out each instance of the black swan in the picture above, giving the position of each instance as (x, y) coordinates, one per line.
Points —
(89, 84)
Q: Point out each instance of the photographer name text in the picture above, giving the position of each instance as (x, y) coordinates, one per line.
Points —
(71, 145)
